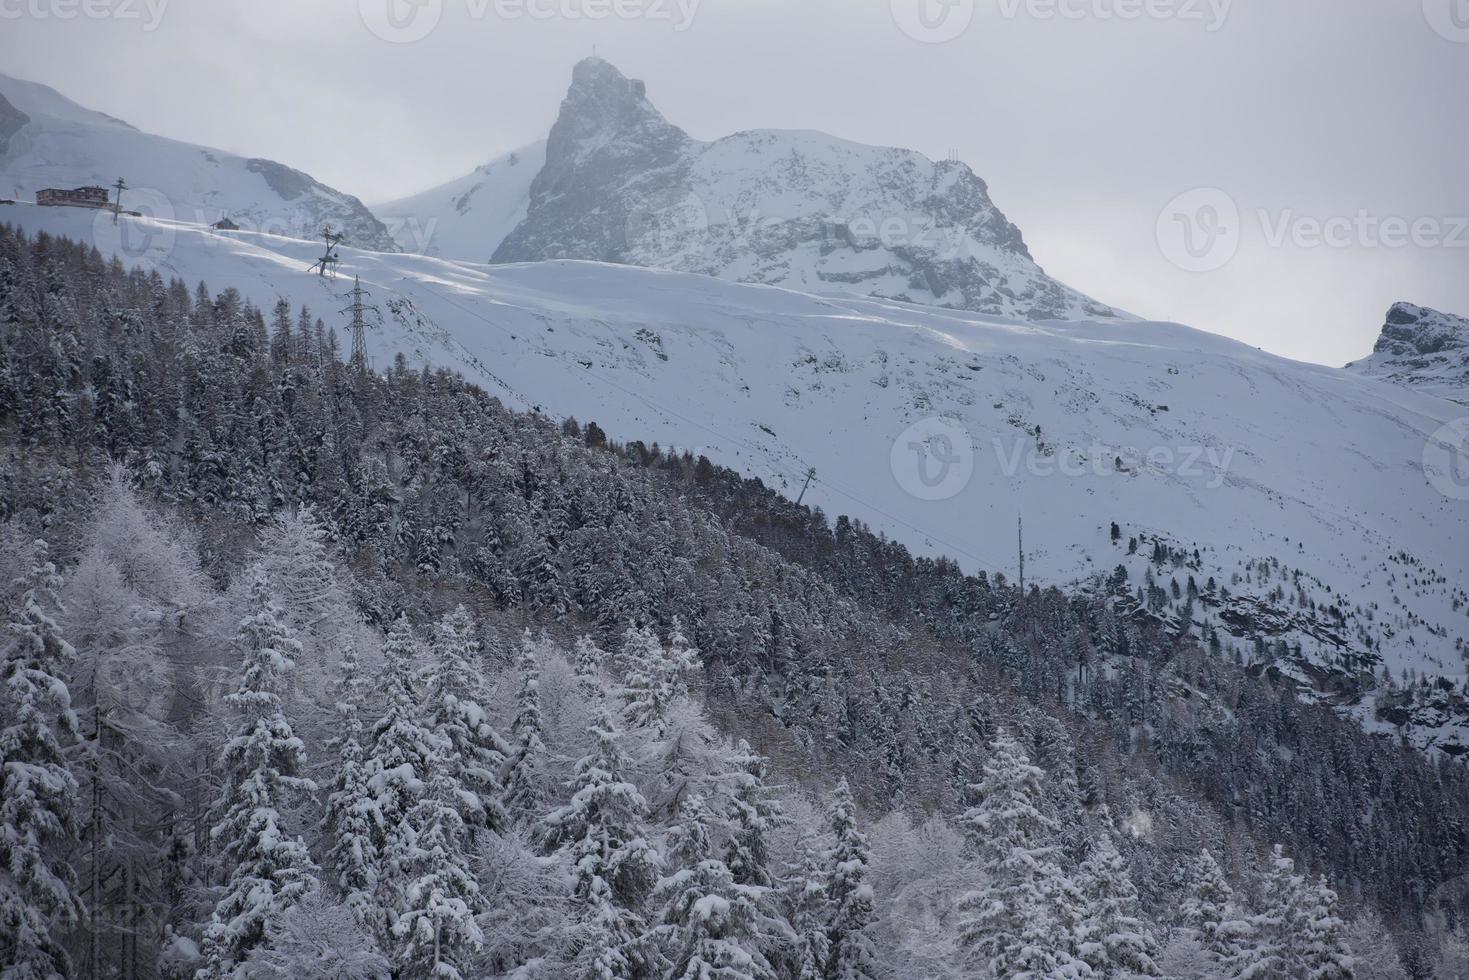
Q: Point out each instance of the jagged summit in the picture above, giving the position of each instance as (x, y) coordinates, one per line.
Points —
(1423, 348)
(621, 183)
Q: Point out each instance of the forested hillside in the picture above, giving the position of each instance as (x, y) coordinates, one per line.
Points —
(318, 671)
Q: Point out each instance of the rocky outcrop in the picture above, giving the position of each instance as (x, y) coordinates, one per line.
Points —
(11, 121)
(1422, 348)
(801, 209)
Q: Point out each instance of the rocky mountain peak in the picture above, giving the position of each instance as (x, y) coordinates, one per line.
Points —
(1422, 348)
(1419, 331)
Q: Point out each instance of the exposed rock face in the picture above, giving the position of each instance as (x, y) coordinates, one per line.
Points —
(1422, 348)
(317, 205)
(11, 120)
(801, 209)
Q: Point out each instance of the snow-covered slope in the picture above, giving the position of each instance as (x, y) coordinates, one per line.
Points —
(1422, 348)
(801, 209)
(467, 218)
(46, 140)
(1301, 488)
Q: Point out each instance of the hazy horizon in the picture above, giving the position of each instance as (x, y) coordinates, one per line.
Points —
(1327, 130)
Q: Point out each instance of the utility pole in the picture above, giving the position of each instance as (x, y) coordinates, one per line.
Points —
(329, 259)
(810, 475)
(121, 186)
(359, 325)
(1020, 540)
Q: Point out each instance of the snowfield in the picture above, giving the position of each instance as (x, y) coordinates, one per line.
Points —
(940, 428)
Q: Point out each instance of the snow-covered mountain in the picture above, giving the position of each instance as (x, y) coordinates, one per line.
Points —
(1298, 490)
(801, 209)
(467, 218)
(1422, 348)
(46, 140)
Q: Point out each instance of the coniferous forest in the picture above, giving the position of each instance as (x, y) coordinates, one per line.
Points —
(316, 670)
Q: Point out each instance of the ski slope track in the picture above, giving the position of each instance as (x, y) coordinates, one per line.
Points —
(1179, 436)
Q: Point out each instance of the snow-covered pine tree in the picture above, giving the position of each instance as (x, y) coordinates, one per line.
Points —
(652, 680)
(1015, 926)
(269, 871)
(1208, 909)
(614, 865)
(524, 771)
(807, 909)
(398, 766)
(754, 812)
(435, 928)
(1321, 941)
(710, 924)
(354, 823)
(454, 708)
(850, 954)
(38, 901)
(1115, 940)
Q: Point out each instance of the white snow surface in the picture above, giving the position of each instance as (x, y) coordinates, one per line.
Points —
(467, 218)
(1238, 453)
(65, 145)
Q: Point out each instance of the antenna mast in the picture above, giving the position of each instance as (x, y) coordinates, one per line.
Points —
(1020, 542)
(810, 475)
(121, 186)
(328, 261)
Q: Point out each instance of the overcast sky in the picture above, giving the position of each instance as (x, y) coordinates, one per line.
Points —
(1337, 129)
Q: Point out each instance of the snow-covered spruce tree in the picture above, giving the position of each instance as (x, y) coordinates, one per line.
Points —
(354, 823)
(398, 767)
(38, 792)
(1115, 940)
(850, 954)
(1208, 908)
(754, 811)
(1321, 940)
(1018, 926)
(454, 709)
(267, 871)
(807, 909)
(435, 929)
(524, 771)
(615, 867)
(652, 680)
(710, 924)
